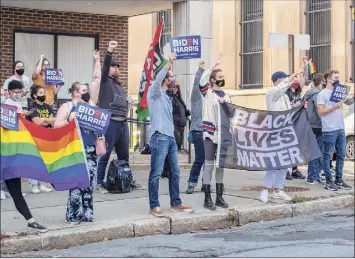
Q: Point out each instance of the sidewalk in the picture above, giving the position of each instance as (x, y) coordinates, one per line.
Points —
(241, 188)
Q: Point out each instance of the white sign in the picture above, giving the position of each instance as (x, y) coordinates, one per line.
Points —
(280, 41)
(302, 41)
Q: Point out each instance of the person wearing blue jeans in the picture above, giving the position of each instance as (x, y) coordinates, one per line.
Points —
(196, 130)
(315, 166)
(162, 141)
(331, 114)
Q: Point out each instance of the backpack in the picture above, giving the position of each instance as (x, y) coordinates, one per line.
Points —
(119, 177)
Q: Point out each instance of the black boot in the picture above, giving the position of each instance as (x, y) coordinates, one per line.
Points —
(288, 176)
(219, 197)
(208, 204)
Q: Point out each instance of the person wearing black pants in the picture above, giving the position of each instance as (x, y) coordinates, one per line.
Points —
(14, 188)
(113, 97)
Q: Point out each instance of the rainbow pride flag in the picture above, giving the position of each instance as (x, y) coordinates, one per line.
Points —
(54, 156)
(311, 67)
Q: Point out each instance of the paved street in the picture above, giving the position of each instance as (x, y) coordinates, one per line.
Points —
(325, 235)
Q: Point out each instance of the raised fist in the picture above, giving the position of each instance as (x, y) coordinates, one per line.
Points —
(201, 64)
(172, 57)
(112, 45)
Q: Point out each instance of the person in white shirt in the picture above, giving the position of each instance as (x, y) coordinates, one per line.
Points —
(277, 100)
(18, 74)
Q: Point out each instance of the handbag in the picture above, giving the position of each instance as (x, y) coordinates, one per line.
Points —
(100, 145)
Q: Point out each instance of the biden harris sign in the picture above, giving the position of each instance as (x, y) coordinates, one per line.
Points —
(93, 118)
(53, 76)
(186, 47)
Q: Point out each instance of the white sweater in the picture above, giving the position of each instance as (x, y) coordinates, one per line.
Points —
(276, 98)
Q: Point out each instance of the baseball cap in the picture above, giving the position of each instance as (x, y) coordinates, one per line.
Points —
(277, 75)
(114, 63)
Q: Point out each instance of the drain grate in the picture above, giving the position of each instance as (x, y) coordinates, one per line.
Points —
(286, 189)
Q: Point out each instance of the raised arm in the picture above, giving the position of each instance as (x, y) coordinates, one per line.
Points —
(38, 68)
(107, 61)
(96, 78)
(206, 75)
(196, 87)
(277, 91)
(155, 89)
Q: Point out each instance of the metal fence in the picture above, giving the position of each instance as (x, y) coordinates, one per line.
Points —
(252, 44)
(319, 28)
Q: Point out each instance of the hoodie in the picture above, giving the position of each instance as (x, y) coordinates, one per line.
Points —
(312, 112)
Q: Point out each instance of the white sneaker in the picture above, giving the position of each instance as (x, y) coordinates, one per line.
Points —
(3, 196)
(264, 195)
(281, 195)
(35, 190)
(45, 189)
(23, 194)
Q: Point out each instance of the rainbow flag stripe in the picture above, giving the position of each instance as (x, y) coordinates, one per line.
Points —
(311, 67)
(55, 156)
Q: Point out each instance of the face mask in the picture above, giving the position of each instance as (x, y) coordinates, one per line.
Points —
(86, 97)
(220, 83)
(336, 82)
(16, 97)
(169, 92)
(20, 71)
(295, 85)
(41, 98)
(3, 99)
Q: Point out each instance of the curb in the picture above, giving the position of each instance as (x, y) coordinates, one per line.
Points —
(176, 224)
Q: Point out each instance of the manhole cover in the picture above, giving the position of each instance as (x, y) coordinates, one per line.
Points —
(286, 189)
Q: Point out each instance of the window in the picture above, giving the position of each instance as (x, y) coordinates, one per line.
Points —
(71, 53)
(252, 44)
(319, 28)
(166, 34)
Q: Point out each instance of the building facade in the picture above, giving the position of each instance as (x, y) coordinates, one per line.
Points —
(240, 30)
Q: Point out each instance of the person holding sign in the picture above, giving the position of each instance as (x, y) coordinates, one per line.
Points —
(211, 84)
(333, 132)
(113, 97)
(80, 201)
(38, 79)
(162, 141)
(277, 100)
(43, 115)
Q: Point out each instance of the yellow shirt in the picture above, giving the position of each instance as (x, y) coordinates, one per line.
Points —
(48, 89)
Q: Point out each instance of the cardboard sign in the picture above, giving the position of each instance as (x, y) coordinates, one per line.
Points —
(339, 93)
(93, 118)
(186, 47)
(9, 119)
(53, 76)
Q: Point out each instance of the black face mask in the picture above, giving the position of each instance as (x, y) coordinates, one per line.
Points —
(41, 98)
(169, 92)
(86, 97)
(20, 71)
(336, 82)
(220, 83)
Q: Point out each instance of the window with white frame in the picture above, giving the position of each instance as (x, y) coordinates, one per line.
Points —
(319, 28)
(73, 54)
(251, 44)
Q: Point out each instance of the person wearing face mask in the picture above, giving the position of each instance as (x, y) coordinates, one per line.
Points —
(38, 79)
(278, 100)
(333, 133)
(18, 69)
(211, 84)
(162, 141)
(315, 166)
(43, 115)
(80, 201)
(113, 97)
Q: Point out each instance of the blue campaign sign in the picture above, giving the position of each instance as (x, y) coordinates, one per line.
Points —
(53, 76)
(93, 118)
(339, 93)
(186, 47)
(9, 119)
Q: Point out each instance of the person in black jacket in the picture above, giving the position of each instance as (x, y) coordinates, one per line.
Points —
(180, 114)
(113, 97)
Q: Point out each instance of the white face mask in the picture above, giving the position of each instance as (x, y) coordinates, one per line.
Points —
(16, 96)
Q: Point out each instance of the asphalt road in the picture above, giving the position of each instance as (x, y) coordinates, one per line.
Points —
(325, 235)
